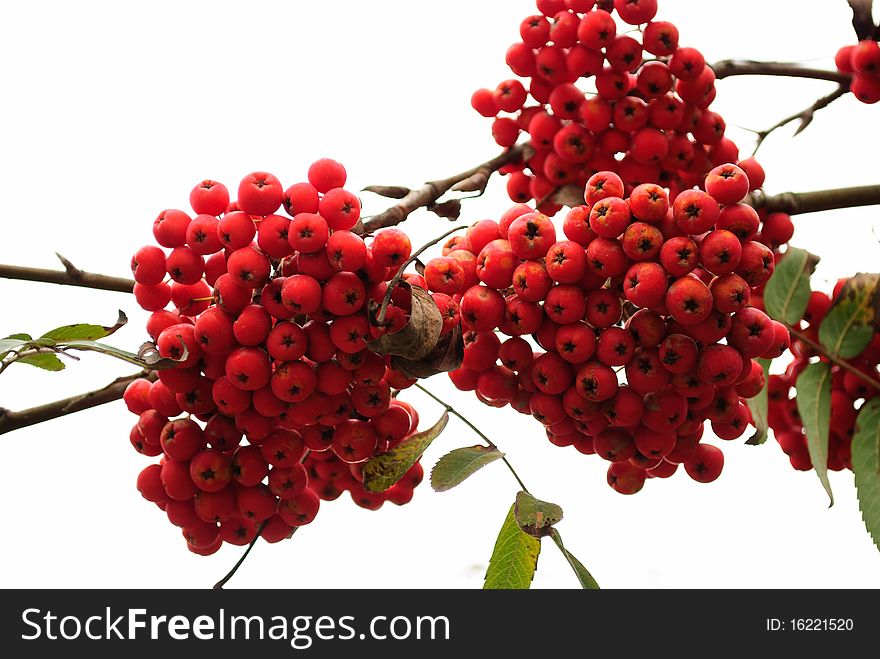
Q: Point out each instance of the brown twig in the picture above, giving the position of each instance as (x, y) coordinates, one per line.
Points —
(740, 67)
(471, 180)
(845, 365)
(805, 116)
(10, 420)
(797, 203)
(71, 276)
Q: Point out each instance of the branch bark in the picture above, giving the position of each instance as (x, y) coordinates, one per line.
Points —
(805, 116)
(739, 67)
(10, 420)
(798, 203)
(70, 276)
(471, 180)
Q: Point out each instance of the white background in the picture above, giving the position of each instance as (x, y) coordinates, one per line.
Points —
(112, 111)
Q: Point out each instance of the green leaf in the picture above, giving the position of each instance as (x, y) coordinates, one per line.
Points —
(12, 342)
(534, 516)
(48, 361)
(850, 324)
(457, 465)
(814, 405)
(384, 470)
(514, 558)
(866, 466)
(84, 332)
(758, 407)
(583, 574)
(788, 291)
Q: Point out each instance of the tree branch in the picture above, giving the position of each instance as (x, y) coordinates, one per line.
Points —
(71, 276)
(740, 67)
(10, 420)
(471, 180)
(797, 203)
(805, 116)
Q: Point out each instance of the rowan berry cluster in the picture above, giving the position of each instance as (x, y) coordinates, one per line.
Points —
(849, 391)
(269, 327)
(863, 62)
(642, 315)
(648, 120)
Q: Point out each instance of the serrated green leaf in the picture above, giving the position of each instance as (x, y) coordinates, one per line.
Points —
(457, 465)
(787, 292)
(758, 407)
(866, 466)
(814, 405)
(583, 574)
(534, 516)
(849, 325)
(84, 332)
(514, 558)
(20, 337)
(46, 360)
(384, 470)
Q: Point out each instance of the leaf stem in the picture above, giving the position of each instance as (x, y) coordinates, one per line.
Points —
(482, 436)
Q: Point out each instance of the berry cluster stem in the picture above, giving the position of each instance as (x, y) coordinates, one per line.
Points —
(395, 280)
(805, 116)
(845, 365)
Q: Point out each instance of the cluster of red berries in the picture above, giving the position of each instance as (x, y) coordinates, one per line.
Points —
(863, 62)
(649, 120)
(642, 315)
(848, 392)
(269, 327)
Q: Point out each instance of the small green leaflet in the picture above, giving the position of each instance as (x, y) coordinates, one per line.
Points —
(48, 361)
(384, 470)
(84, 332)
(583, 574)
(850, 324)
(787, 292)
(514, 558)
(814, 405)
(534, 516)
(866, 466)
(758, 406)
(459, 464)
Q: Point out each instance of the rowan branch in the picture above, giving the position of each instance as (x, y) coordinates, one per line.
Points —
(10, 420)
(805, 116)
(741, 67)
(798, 203)
(474, 179)
(70, 276)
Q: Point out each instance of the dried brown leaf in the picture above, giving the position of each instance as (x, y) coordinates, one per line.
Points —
(419, 337)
